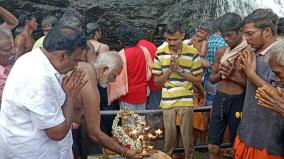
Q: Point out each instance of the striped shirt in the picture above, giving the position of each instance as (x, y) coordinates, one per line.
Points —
(177, 91)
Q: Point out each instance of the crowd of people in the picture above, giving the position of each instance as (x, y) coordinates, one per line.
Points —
(53, 88)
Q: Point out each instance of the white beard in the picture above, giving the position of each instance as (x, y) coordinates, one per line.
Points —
(103, 83)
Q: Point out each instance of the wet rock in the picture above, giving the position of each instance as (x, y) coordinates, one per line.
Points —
(150, 15)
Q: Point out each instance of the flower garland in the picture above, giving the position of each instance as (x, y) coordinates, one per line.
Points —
(121, 135)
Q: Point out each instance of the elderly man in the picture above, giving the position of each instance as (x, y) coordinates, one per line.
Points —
(7, 52)
(271, 98)
(37, 104)
(102, 71)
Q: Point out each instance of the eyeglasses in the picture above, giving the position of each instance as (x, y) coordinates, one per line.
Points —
(251, 33)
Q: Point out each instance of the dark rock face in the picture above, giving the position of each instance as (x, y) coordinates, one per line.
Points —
(150, 15)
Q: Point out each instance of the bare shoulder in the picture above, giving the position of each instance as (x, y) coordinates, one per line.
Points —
(205, 42)
(90, 76)
(220, 52)
(20, 37)
(105, 47)
(87, 68)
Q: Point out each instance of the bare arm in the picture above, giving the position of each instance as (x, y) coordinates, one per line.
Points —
(200, 89)
(104, 48)
(160, 80)
(71, 86)
(20, 45)
(215, 76)
(192, 78)
(204, 48)
(58, 132)
(238, 76)
(10, 20)
(248, 64)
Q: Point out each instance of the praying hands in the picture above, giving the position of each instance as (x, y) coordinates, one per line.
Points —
(271, 98)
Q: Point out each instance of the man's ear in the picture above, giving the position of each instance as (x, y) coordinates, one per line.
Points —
(62, 55)
(267, 31)
(104, 69)
(182, 35)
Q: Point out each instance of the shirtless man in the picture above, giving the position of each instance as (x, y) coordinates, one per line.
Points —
(10, 20)
(199, 41)
(103, 71)
(24, 41)
(94, 31)
(230, 96)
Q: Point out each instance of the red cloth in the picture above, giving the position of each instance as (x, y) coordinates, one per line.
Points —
(152, 49)
(136, 72)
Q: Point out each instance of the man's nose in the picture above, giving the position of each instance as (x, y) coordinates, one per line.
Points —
(13, 51)
(171, 42)
(277, 79)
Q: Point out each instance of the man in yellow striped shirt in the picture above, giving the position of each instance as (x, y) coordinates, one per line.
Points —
(177, 66)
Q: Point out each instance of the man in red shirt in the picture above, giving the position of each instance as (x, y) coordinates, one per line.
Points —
(155, 91)
(136, 96)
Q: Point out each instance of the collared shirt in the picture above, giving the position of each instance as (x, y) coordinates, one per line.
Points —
(31, 102)
(260, 127)
(39, 43)
(214, 42)
(4, 71)
(177, 91)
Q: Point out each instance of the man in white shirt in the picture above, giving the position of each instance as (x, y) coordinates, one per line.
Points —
(37, 104)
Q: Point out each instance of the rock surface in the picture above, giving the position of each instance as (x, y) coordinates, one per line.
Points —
(150, 15)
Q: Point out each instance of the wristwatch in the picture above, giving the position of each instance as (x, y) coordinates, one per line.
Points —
(181, 71)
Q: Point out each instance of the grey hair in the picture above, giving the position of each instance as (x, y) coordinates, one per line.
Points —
(72, 18)
(5, 33)
(111, 59)
(277, 51)
(49, 21)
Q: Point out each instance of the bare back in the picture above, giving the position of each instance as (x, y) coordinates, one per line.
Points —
(98, 48)
(83, 102)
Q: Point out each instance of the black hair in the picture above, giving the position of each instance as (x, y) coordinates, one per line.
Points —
(206, 25)
(174, 27)
(280, 26)
(49, 21)
(72, 18)
(92, 28)
(216, 24)
(24, 18)
(230, 22)
(128, 35)
(64, 38)
(263, 18)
